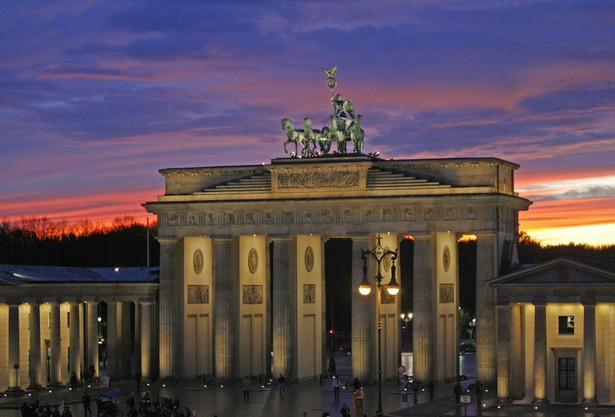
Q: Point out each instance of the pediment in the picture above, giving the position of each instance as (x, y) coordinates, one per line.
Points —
(558, 272)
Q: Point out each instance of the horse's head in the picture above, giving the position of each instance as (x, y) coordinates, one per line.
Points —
(287, 124)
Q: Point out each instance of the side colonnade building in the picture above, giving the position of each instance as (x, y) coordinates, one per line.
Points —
(51, 326)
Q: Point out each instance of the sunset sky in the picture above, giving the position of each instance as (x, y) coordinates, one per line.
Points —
(97, 96)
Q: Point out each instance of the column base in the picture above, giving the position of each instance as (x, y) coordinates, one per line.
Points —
(591, 401)
(540, 401)
(504, 401)
(14, 391)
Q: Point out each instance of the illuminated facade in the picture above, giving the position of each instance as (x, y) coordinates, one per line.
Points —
(50, 323)
(556, 333)
(241, 267)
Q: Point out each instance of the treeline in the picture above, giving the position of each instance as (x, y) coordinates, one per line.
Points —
(531, 252)
(40, 241)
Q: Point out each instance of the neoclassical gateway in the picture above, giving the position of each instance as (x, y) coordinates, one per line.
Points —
(241, 268)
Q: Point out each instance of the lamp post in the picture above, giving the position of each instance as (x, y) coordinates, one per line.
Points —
(406, 319)
(379, 254)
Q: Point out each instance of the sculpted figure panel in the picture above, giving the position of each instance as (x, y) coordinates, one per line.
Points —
(331, 179)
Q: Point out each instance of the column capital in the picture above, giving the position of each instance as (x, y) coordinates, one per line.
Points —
(167, 240)
(422, 235)
(485, 234)
(539, 301)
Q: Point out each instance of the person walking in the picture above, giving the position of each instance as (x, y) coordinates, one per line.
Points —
(457, 391)
(345, 411)
(245, 386)
(479, 392)
(282, 385)
(85, 400)
(416, 384)
(336, 387)
(431, 388)
(138, 379)
(359, 396)
(356, 384)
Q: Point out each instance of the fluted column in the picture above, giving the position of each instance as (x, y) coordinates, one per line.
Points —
(589, 352)
(423, 300)
(75, 340)
(486, 269)
(112, 339)
(169, 325)
(137, 341)
(226, 299)
(124, 348)
(55, 371)
(504, 341)
(146, 339)
(517, 368)
(13, 345)
(35, 346)
(540, 352)
(92, 335)
(284, 305)
(362, 316)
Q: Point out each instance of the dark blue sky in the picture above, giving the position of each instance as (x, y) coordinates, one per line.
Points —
(96, 96)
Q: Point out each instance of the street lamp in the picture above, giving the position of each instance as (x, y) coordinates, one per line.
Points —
(379, 254)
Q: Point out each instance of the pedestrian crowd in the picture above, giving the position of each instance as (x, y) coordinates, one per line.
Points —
(36, 409)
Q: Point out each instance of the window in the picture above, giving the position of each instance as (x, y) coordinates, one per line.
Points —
(566, 324)
(68, 319)
(566, 373)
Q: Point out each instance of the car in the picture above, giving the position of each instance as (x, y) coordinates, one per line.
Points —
(346, 350)
(467, 347)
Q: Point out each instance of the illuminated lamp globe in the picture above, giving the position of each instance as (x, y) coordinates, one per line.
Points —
(365, 288)
(393, 287)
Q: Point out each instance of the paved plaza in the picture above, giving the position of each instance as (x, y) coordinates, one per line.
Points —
(313, 397)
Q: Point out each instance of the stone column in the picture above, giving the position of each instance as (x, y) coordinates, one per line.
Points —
(423, 300)
(226, 299)
(75, 340)
(517, 366)
(146, 339)
(362, 316)
(589, 352)
(284, 305)
(92, 335)
(137, 341)
(486, 269)
(540, 353)
(124, 338)
(112, 340)
(13, 346)
(55, 370)
(35, 347)
(169, 325)
(503, 361)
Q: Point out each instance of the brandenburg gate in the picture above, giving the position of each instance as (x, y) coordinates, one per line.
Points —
(242, 283)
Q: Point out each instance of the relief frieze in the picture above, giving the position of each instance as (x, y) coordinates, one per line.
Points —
(331, 179)
(332, 215)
